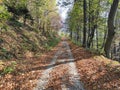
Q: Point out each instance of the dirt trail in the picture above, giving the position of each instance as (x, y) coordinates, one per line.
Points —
(62, 73)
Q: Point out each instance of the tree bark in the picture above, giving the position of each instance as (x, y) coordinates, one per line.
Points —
(85, 22)
(71, 35)
(111, 28)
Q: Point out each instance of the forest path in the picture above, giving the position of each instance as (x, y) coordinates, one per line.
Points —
(62, 73)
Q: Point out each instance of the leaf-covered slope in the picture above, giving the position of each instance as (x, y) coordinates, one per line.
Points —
(18, 40)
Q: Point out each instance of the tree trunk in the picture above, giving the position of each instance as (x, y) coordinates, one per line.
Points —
(71, 34)
(97, 39)
(91, 36)
(104, 39)
(89, 22)
(111, 28)
(93, 23)
(85, 23)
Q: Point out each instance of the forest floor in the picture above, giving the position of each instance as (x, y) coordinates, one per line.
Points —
(65, 67)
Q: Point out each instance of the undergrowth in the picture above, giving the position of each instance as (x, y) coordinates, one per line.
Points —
(51, 43)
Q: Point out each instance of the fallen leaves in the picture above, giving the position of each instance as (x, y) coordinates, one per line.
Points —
(58, 77)
(27, 72)
(96, 72)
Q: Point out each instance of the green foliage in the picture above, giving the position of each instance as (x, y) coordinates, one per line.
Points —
(75, 17)
(4, 53)
(15, 23)
(10, 68)
(3, 50)
(110, 1)
(20, 37)
(95, 18)
(4, 14)
(17, 7)
(51, 43)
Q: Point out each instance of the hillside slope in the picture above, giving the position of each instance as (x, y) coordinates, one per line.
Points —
(18, 40)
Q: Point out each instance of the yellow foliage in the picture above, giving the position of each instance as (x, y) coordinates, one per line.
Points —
(106, 60)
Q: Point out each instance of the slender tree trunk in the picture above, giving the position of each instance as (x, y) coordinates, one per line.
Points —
(92, 36)
(78, 29)
(71, 34)
(105, 35)
(89, 22)
(111, 28)
(85, 23)
(97, 39)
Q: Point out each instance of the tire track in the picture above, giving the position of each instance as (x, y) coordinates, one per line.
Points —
(70, 80)
(74, 78)
(42, 82)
